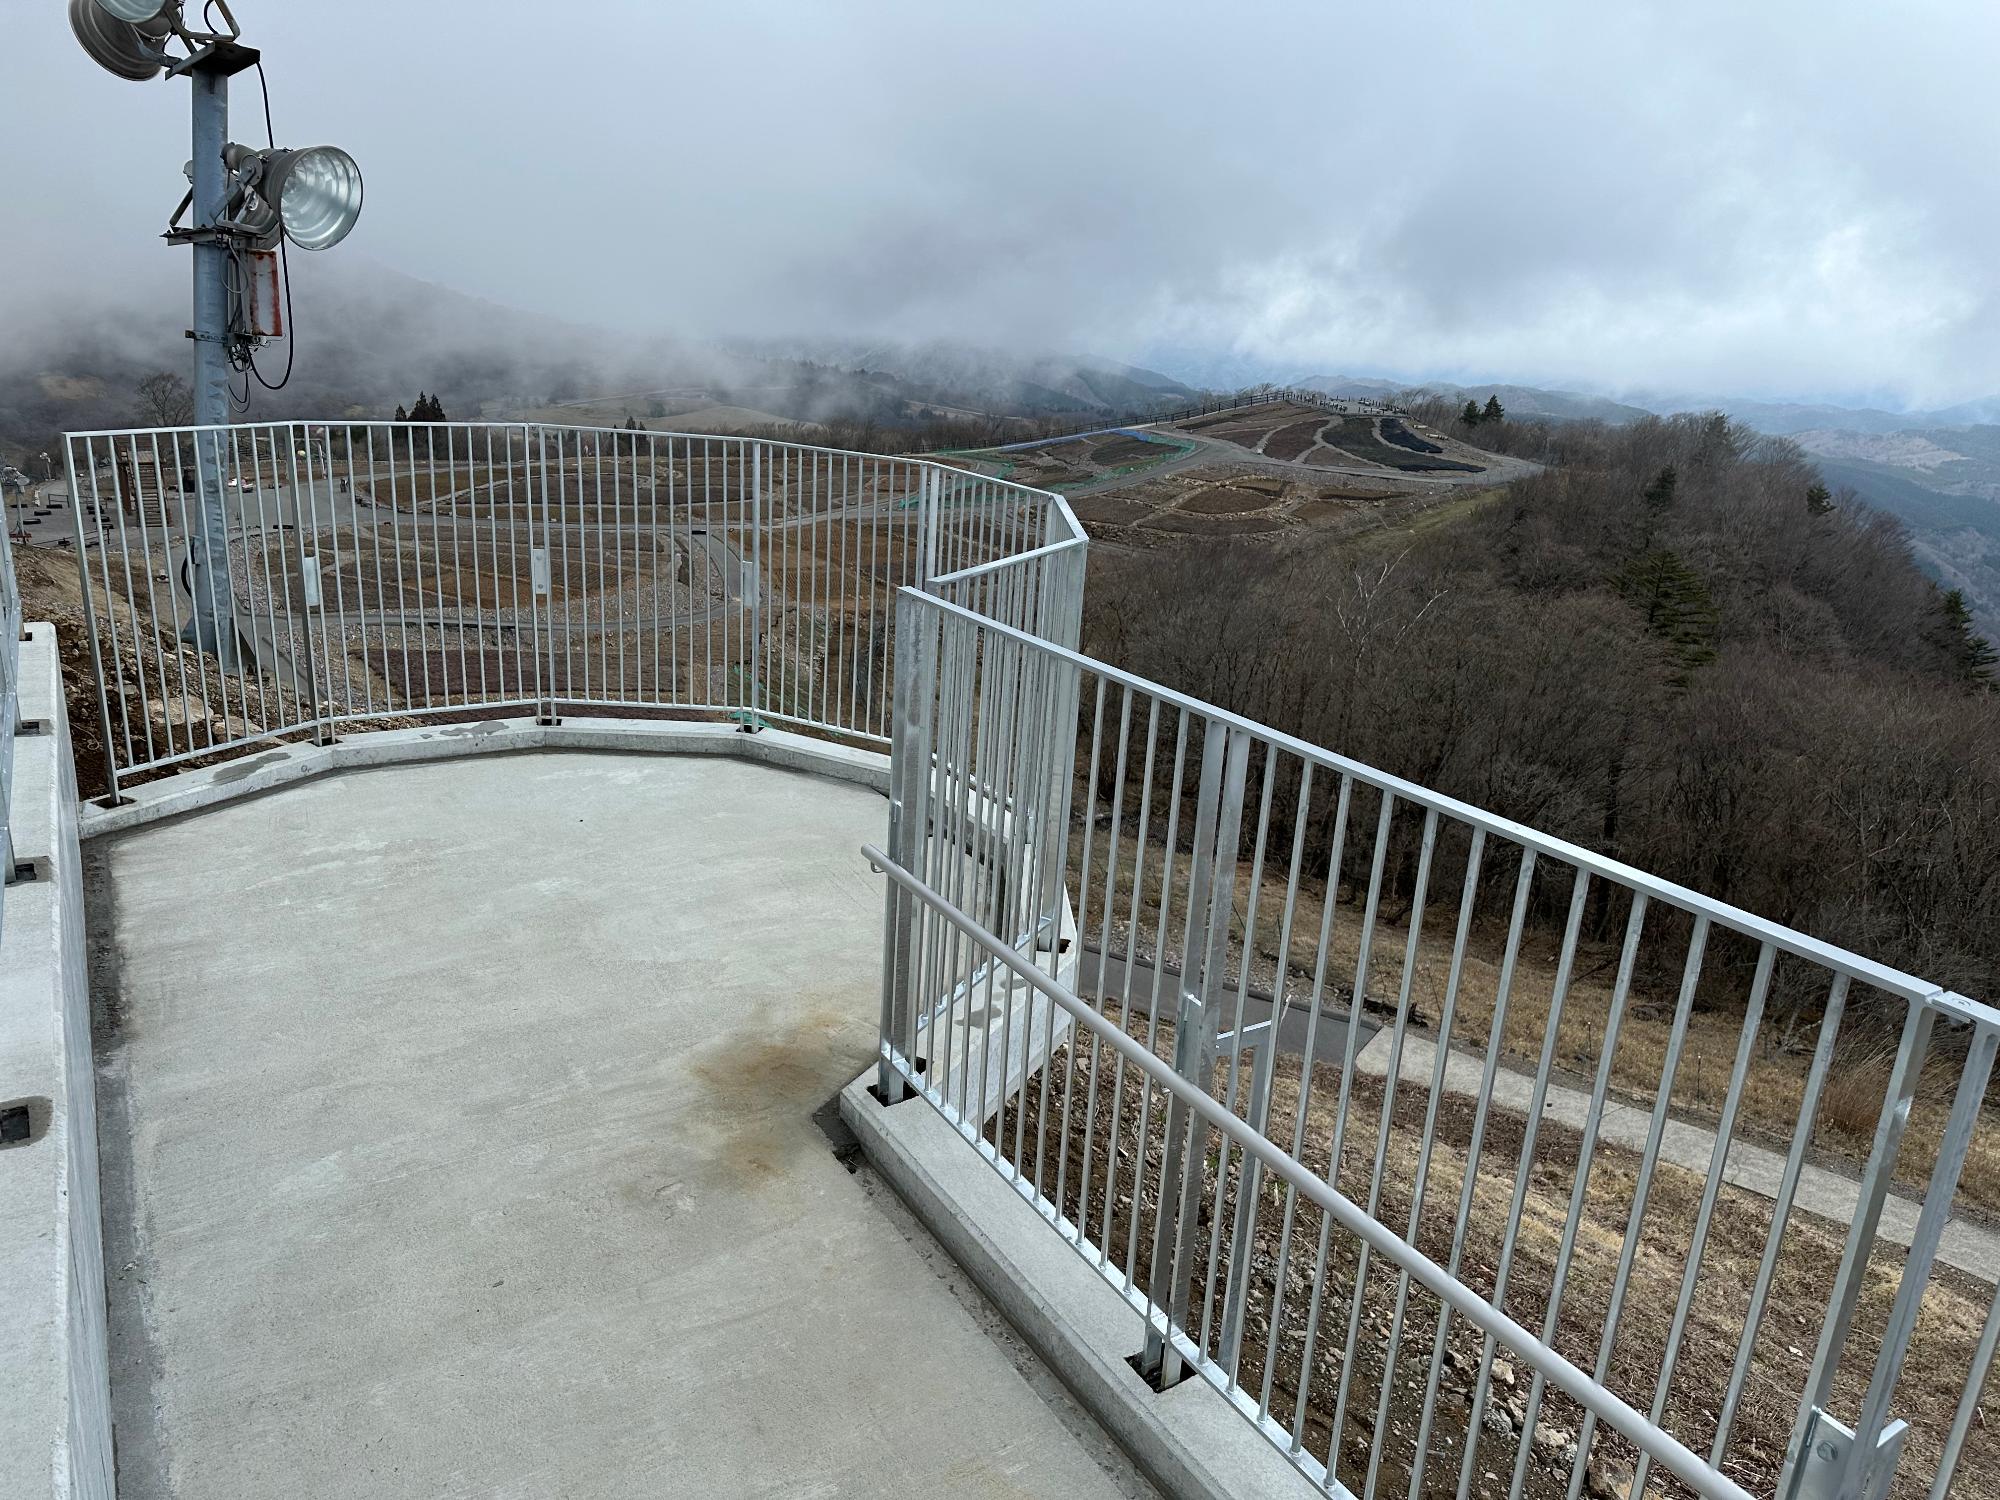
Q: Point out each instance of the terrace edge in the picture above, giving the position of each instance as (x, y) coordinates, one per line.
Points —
(55, 1425)
(1183, 1440)
(282, 765)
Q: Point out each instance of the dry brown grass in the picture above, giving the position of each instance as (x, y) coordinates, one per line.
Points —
(849, 567)
(1842, 1129)
(1230, 500)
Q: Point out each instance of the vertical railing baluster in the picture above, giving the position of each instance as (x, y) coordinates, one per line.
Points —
(1350, 1049)
(1718, 1160)
(1469, 1183)
(1781, 1213)
(1399, 1028)
(1176, 1228)
(1869, 1464)
(1236, 1297)
(908, 817)
(1649, 1160)
(1323, 955)
(1237, 1046)
(1580, 1185)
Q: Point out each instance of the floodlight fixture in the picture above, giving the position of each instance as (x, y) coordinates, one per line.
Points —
(317, 192)
(130, 47)
(310, 196)
(130, 37)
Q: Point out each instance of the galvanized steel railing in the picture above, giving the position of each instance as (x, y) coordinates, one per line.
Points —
(1595, 1098)
(383, 573)
(1719, 1186)
(998, 958)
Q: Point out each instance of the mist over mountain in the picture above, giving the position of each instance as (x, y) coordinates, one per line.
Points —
(994, 380)
(368, 339)
(1519, 400)
(1785, 418)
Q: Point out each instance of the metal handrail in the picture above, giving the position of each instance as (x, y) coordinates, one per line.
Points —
(984, 696)
(1646, 1435)
(999, 564)
(353, 608)
(1840, 960)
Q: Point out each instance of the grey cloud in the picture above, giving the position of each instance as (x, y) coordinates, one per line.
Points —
(1770, 199)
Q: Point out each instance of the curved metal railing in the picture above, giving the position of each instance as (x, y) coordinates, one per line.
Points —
(383, 573)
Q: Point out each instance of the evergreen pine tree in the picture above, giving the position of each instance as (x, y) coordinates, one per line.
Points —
(401, 415)
(1677, 606)
(1470, 416)
(1971, 656)
(1819, 500)
(1494, 411)
(1660, 493)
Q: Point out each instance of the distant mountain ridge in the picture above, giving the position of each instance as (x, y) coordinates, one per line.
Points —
(1943, 484)
(370, 339)
(1938, 472)
(988, 378)
(1519, 400)
(1785, 418)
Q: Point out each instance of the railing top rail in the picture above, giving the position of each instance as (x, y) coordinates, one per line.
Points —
(1011, 560)
(1646, 1435)
(1785, 939)
(527, 427)
(1061, 507)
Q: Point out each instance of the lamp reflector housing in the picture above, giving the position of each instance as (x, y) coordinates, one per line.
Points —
(133, 10)
(317, 192)
(115, 44)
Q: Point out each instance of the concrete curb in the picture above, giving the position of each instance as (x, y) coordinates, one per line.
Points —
(1188, 1441)
(55, 1422)
(249, 775)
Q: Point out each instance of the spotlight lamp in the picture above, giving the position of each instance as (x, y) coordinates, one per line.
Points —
(130, 45)
(311, 197)
(129, 37)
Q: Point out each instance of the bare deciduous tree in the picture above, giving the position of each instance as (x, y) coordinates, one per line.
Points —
(166, 399)
(1824, 759)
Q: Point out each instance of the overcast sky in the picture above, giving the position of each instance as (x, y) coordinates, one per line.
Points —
(1772, 199)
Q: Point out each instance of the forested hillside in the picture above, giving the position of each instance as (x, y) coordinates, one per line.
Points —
(1672, 645)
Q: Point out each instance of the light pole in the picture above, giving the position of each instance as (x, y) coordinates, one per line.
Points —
(243, 202)
(212, 627)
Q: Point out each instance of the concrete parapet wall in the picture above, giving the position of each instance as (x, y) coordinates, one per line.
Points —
(55, 1423)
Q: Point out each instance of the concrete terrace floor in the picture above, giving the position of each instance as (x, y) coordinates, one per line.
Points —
(459, 1139)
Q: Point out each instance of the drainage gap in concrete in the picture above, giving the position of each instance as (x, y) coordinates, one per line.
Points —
(23, 1122)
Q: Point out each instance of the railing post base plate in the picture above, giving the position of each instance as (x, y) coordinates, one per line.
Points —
(1150, 1364)
(902, 1089)
(1823, 1470)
